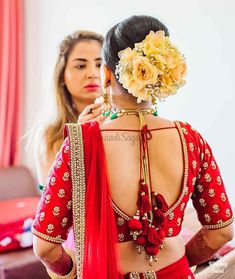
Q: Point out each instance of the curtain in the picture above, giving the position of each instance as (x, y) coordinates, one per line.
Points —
(11, 55)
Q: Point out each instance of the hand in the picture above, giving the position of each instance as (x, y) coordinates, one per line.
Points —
(92, 113)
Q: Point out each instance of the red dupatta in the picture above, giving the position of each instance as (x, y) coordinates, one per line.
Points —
(95, 245)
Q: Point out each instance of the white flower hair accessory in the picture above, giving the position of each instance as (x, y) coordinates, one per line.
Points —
(153, 69)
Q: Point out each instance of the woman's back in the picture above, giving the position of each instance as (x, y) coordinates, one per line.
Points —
(166, 158)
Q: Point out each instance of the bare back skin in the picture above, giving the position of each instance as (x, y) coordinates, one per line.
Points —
(167, 171)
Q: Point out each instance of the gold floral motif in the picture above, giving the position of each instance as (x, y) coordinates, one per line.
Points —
(219, 181)
(50, 228)
(179, 221)
(61, 193)
(228, 212)
(66, 150)
(191, 146)
(205, 165)
(65, 176)
(194, 164)
(42, 216)
(47, 199)
(52, 181)
(120, 221)
(184, 130)
(186, 191)
(200, 188)
(134, 275)
(202, 156)
(170, 231)
(207, 152)
(182, 206)
(207, 218)
(64, 222)
(213, 165)
(171, 215)
(59, 164)
(69, 205)
(56, 211)
(202, 202)
(208, 177)
(220, 224)
(215, 208)
(121, 237)
(223, 197)
(211, 192)
(194, 179)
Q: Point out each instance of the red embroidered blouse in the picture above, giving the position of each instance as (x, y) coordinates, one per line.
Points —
(202, 182)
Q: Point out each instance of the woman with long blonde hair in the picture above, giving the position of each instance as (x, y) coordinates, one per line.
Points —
(76, 86)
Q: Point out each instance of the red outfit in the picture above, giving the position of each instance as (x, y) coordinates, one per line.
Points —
(202, 182)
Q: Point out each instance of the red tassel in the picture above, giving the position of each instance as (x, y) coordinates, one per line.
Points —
(161, 202)
(145, 228)
(141, 240)
(151, 250)
(134, 225)
(145, 204)
(153, 237)
(159, 218)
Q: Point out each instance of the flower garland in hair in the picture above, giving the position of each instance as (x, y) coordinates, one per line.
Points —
(153, 69)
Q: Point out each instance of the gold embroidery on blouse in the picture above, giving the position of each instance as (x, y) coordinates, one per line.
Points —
(120, 221)
(191, 146)
(205, 165)
(213, 165)
(121, 237)
(65, 176)
(208, 177)
(64, 222)
(223, 197)
(215, 208)
(186, 164)
(207, 152)
(178, 221)
(56, 239)
(59, 164)
(61, 193)
(202, 202)
(56, 211)
(50, 228)
(228, 212)
(69, 205)
(194, 164)
(207, 218)
(220, 224)
(42, 216)
(211, 192)
(52, 181)
(219, 181)
(47, 199)
(200, 188)
(202, 156)
(171, 216)
(78, 193)
(170, 231)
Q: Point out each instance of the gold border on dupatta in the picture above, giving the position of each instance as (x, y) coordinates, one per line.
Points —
(79, 189)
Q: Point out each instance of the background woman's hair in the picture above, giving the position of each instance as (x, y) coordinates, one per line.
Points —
(65, 111)
(125, 34)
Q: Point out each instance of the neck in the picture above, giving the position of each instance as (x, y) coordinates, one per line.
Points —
(129, 102)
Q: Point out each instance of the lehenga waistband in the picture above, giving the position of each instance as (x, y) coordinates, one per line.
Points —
(177, 270)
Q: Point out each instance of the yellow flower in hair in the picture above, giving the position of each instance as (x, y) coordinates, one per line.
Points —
(143, 71)
(154, 68)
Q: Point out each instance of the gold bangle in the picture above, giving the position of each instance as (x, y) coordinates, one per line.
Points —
(72, 274)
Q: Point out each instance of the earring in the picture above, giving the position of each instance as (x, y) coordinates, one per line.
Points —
(107, 102)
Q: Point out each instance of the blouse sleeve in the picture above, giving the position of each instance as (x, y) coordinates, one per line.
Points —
(54, 214)
(209, 198)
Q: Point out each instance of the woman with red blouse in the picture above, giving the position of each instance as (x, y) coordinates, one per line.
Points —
(124, 185)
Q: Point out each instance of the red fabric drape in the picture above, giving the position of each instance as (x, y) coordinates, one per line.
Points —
(11, 50)
(100, 255)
